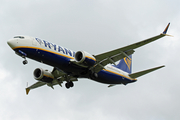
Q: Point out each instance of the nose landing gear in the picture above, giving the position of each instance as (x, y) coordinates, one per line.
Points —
(25, 62)
(23, 55)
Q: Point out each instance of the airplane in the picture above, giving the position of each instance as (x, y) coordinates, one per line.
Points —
(68, 65)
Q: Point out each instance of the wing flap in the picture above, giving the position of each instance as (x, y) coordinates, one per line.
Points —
(141, 73)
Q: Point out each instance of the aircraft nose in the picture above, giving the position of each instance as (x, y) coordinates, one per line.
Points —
(11, 43)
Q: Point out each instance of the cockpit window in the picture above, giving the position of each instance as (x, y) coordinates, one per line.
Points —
(21, 37)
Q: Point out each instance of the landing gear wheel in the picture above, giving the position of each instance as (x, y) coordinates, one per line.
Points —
(69, 84)
(25, 62)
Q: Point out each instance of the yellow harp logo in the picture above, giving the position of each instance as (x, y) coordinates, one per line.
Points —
(128, 62)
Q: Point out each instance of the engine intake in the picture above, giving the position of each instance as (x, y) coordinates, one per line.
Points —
(43, 75)
(85, 58)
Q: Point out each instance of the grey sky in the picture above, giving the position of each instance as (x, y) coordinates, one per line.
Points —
(95, 26)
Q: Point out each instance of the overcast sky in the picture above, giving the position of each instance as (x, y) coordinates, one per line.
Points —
(95, 26)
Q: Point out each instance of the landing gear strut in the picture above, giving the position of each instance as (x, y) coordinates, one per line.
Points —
(69, 84)
(23, 55)
(93, 75)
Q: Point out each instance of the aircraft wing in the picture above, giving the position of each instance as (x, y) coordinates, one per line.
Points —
(37, 84)
(60, 77)
(115, 55)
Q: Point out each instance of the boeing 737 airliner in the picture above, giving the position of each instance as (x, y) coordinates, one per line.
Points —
(69, 65)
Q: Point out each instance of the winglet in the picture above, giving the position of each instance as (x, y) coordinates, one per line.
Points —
(27, 90)
(166, 29)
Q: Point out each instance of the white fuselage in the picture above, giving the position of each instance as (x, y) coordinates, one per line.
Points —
(58, 56)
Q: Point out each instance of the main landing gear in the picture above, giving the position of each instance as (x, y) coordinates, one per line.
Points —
(69, 84)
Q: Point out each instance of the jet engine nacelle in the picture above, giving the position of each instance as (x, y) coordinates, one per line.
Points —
(43, 75)
(85, 58)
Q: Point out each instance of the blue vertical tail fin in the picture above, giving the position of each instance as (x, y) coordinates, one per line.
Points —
(125, 64)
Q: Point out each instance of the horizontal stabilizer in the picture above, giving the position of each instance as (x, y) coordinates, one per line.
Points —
(141, 73)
